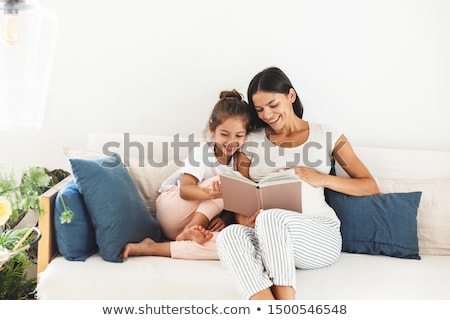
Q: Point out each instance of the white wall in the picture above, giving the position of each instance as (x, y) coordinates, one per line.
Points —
(378, 69)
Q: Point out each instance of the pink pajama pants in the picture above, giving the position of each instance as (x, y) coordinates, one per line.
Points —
(174, 213)
(191, 250)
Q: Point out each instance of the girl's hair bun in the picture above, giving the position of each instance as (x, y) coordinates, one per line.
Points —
(233, 94)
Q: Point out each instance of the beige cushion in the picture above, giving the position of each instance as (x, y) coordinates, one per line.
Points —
(82, 154)
(433, 218)
(148, 179)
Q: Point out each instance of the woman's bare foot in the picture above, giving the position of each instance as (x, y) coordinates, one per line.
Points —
(146, 247)
(195, 233)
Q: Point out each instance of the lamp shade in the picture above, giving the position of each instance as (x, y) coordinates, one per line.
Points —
(27, 41)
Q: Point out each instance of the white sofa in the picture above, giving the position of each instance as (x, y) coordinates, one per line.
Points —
(353, 276)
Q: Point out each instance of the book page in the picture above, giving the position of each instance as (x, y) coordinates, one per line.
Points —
(238, 196)
(236, 175)
(285, 196)
(281, 189)
(279, 177)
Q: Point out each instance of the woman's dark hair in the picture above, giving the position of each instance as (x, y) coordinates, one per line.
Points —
(270, 80)
(231, 104)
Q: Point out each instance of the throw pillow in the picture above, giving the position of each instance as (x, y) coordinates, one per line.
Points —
(384, 224)
(75, 240)
(117, 211)
(148, 180)
(433, 217)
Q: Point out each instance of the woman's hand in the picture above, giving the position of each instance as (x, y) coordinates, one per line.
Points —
(248, 221)
(216, 224)
(310, 176)
(360, 181)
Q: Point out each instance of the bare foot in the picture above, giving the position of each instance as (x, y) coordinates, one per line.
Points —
(143, 248)
(195, 233)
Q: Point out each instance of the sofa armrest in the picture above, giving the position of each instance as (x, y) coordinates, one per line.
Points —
(47, 248)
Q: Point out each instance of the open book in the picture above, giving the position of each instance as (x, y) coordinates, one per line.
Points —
(278, 190)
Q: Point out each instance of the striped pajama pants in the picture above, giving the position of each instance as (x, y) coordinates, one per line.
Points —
(282, 241)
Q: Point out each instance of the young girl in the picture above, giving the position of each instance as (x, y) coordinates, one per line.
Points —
(190, 204)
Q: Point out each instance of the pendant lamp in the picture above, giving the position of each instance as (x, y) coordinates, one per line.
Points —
(27, 41)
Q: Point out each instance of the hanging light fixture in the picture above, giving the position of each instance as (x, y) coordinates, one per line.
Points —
(9, 30)
(27, 40)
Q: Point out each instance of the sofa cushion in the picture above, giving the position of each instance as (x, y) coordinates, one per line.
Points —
(383, 224)
(75, 240)
(433, 218)
(147, 178)
(117, 211)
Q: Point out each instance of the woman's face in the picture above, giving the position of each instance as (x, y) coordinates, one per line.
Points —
(274, 108)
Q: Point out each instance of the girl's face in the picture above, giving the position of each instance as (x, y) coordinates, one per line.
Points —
(274, 108)
(230, 135)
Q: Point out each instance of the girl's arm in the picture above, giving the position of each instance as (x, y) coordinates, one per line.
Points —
(361, 181)
(189, 190)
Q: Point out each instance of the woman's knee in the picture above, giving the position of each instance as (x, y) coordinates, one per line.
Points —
(234, 233)
(227, 235)
(229, 232)
(267, 218)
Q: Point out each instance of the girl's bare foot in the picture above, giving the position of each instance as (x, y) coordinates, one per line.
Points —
(143, 248)
(195, 233)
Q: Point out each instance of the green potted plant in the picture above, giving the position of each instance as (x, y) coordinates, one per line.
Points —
(14, 263)
(17, 199)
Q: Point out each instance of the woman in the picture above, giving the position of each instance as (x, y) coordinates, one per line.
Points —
(263, 251)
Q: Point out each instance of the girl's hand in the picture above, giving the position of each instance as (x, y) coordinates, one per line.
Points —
(190, 189)
(212, 192)
(216, 185)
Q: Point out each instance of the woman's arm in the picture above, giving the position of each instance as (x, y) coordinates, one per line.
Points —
(361, 181)
(189, 189)
(243, 164)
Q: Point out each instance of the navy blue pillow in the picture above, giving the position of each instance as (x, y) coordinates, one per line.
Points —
(384, 224)
(117, 211)
(75, 240)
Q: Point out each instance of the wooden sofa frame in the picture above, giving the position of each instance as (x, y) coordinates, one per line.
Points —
(47, 248)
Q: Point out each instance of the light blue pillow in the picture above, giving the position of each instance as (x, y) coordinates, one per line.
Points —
(117, 211)
(384, 224)
(75, 240)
